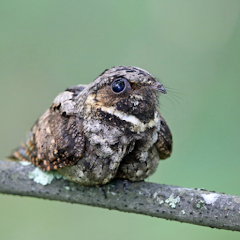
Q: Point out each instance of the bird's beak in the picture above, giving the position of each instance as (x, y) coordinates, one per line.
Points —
(159, 87)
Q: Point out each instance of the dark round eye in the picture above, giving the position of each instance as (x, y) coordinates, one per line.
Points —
(119, 85)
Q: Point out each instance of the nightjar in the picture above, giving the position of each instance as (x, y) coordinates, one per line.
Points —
(107, 129)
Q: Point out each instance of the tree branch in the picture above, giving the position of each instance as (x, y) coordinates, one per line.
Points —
(193, 206)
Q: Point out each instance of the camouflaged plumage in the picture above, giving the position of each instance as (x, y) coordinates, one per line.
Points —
(92, 134)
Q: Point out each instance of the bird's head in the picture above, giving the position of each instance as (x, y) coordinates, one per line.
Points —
(128, 93)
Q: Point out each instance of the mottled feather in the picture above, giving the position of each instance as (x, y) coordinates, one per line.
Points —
(109, 128)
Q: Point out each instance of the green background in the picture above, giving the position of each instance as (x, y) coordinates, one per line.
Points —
(193, 47)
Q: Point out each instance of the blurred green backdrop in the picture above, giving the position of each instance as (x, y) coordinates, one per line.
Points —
(192, 46)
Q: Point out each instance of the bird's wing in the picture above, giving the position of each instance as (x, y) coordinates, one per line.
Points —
(164, 142)
(56, 139)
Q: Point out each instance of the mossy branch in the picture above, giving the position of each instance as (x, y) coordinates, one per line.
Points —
(193, 206)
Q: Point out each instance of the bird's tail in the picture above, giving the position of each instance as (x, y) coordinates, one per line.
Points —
(19, 154)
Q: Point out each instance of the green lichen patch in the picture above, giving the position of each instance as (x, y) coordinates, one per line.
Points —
(171, 201)
(158, 199)
(200, 204)
(43, 178)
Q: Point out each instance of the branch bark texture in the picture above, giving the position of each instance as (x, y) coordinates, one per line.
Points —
(195, 206)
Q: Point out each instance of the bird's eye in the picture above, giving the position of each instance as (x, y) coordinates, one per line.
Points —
(119, 85)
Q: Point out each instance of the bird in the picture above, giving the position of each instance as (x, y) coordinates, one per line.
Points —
(111, 128)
